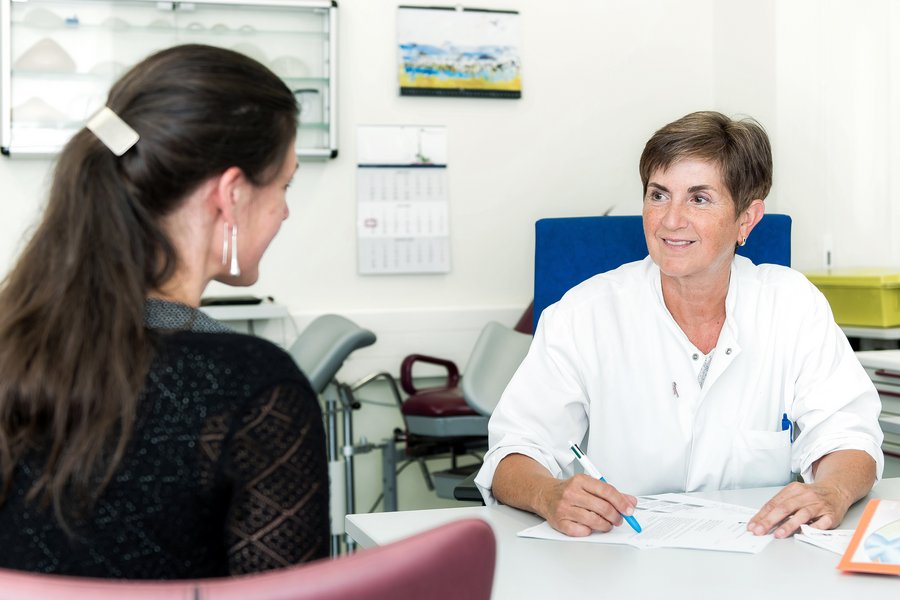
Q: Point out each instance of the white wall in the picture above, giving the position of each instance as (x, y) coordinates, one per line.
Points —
(837, 135)
(599, 77)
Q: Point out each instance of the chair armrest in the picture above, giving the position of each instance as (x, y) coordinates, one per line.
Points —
(406, 367)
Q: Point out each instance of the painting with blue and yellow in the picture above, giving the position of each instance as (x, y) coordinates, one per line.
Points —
(458, 53)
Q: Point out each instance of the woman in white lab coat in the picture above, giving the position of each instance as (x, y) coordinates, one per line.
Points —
(689, 370)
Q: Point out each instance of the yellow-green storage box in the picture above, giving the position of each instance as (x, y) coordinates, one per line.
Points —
(863, 297)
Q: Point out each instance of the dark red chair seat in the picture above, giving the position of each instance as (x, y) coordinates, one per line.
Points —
(447, 402)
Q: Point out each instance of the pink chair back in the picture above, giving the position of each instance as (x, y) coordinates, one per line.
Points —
(452, 561)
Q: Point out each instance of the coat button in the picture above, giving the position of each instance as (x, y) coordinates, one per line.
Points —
(728, 351)
(696, 356)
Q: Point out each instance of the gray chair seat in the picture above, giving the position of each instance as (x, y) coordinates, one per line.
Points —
(446, 427)
(324, 345)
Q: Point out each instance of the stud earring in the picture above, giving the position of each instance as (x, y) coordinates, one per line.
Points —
(743, 241)
(235, 270)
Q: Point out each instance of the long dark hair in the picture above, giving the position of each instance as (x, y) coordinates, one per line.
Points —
(74, 351)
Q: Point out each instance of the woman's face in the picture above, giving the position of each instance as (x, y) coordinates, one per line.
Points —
(261, 219)
(690, 223)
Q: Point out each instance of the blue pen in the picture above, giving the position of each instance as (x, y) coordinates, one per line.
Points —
(593, 472)
(787, 424)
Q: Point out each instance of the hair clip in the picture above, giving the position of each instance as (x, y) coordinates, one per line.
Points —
(110, 129)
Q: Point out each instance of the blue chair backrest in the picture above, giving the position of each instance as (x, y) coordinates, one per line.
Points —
(569, 250)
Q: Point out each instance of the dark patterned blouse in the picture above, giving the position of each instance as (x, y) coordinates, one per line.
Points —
(225, 472)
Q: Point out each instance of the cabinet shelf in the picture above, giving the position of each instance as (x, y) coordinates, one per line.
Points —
(58, 59)
(74, 126)
(23, 74)
(246, 31)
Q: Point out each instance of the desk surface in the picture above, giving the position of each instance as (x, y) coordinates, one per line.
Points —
(872, 333)
(246, 312)
(880, 359)
(530, 568)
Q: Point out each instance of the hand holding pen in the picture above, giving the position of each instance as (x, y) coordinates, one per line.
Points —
(591, 470)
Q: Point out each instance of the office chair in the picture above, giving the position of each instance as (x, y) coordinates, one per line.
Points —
(426, 565)
(570, 250)
(451, 419)
(320, 350)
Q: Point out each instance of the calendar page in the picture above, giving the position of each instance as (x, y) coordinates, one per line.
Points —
(402, 200)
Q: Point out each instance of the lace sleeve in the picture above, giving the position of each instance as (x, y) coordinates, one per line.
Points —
(276, 461)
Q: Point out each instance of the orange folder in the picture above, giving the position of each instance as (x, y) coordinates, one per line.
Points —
(875, 546)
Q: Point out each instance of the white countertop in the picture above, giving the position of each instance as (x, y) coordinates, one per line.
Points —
(880, 359)
(530, 568)
(246, 312)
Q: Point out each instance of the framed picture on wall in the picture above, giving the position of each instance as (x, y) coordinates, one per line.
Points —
(455, 51)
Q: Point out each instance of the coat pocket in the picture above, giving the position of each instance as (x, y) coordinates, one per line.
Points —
(762, 458)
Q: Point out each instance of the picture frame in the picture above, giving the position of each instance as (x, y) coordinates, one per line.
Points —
(461, 52)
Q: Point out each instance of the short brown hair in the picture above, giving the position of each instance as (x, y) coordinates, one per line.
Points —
(739, 147)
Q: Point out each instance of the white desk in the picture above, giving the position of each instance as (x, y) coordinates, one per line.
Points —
(246, 312)
(265, 319)
(883, 367)
(873, 338)
(530, 568)
(872, 333)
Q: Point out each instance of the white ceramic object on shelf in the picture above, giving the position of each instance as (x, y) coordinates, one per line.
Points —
(251, 50)
(160, 24)
(37, 111)
(42, 17)
(289, 66)
(116, 24)
(45, 56)
(310, 104)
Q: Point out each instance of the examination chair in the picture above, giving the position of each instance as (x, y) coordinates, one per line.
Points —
(441, 411)
(451, 419)
(320, 350)
(571, 249)
(426, 565)
(322, 347)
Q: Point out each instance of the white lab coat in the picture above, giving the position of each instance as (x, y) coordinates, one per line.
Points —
(610, 365)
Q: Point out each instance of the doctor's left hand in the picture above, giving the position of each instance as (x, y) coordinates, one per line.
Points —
(841, 478)
(820, 504)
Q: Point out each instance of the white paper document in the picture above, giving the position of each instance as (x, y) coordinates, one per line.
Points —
(835, 540)
(675, 521)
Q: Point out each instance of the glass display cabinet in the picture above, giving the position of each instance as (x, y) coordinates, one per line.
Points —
(58, 59)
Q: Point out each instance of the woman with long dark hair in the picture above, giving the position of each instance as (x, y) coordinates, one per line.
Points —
(138, 437)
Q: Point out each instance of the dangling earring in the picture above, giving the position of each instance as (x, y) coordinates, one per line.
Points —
(235, 270)
(224, 244)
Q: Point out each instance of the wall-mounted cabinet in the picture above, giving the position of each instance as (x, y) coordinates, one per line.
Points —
(58, 59)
